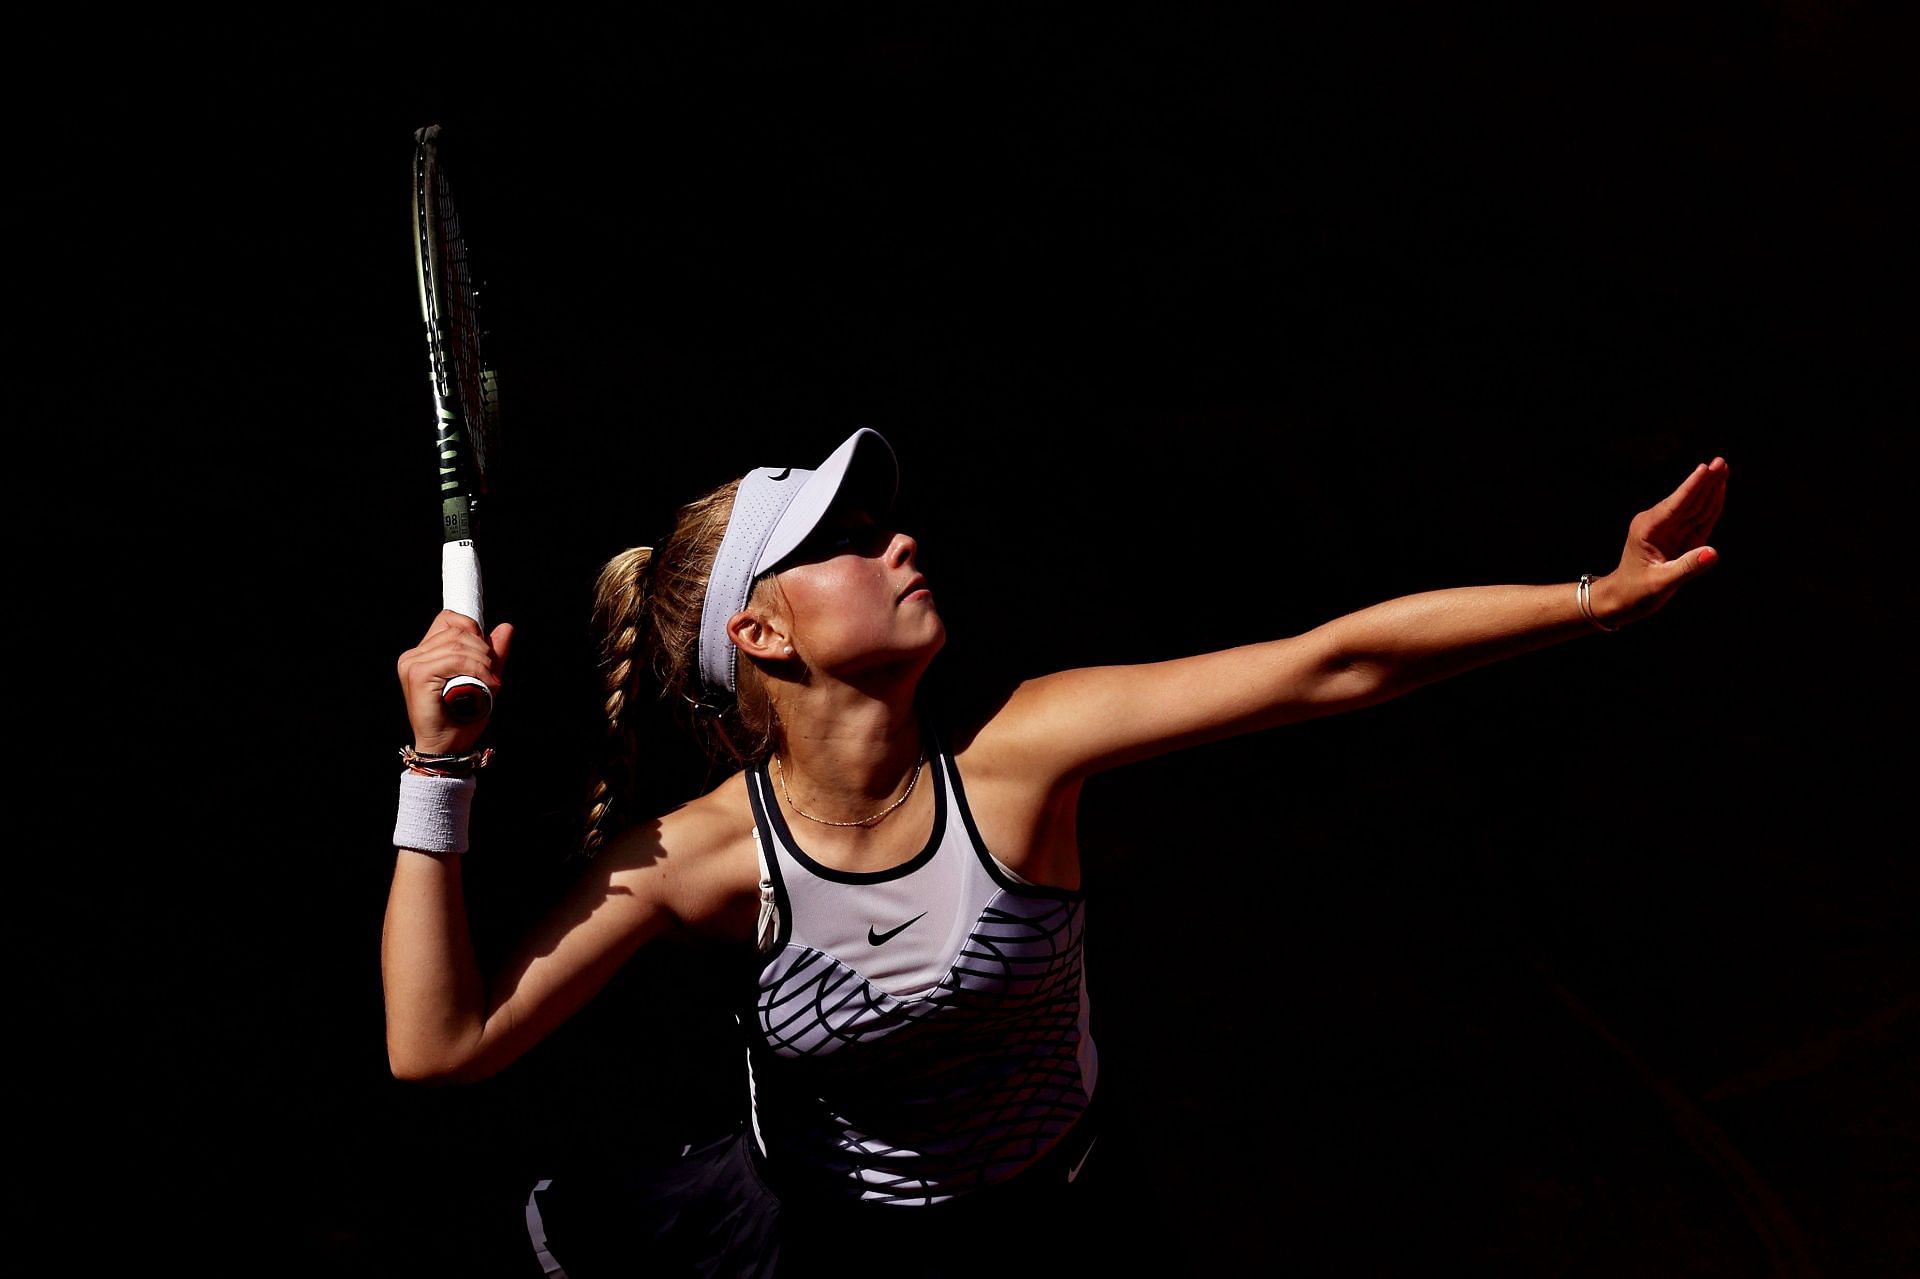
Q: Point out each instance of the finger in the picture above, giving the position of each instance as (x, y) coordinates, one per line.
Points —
(1695, 562)
(457, 647)
(502, 638)
(1702, 529)
(1690, 504)
(1713, 498)
(1685, 500)
(1664, 526)
(453, 653)
(1719, 499)
(449, 620)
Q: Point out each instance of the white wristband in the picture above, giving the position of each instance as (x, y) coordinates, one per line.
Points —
(433, 812)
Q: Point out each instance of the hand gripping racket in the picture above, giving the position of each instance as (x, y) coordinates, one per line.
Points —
(465, 400)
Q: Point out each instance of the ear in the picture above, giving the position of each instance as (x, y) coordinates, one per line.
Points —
(759, 635)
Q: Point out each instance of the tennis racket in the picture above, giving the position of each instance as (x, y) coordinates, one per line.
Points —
(466, 406)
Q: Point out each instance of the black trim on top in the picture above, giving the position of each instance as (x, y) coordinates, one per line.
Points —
(783, 907)
(980, 845)
(919, 859)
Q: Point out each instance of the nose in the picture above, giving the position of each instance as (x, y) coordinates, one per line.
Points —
(902, 549)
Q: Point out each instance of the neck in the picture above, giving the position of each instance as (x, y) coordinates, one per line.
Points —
(846, 753)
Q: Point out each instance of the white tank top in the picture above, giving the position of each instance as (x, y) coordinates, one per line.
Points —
(919, 1032)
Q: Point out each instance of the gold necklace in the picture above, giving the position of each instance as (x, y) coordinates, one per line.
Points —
(781, 769)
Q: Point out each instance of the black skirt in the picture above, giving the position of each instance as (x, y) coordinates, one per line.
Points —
(719, 1211)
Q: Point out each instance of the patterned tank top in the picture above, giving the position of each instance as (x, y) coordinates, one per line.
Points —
(916, 1033)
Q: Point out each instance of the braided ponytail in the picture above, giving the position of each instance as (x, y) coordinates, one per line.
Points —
(647, 605)
(620, 614)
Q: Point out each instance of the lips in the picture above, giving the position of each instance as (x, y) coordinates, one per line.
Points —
(917, 583)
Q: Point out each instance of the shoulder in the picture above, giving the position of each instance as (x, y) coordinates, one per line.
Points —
(1020, 809)
(698, 859)
(1016, 737)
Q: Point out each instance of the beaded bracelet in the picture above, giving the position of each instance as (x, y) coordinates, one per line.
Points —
(445, 765)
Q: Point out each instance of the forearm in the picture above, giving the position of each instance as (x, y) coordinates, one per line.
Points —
(436, 997)
(1419, 639)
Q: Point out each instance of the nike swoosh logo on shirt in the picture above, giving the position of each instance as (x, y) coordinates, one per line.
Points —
(881, 939)
(1075, 1170)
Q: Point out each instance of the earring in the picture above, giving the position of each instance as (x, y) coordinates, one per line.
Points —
(788, 650)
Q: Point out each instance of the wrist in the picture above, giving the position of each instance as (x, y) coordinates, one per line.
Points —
(1608, 604)
(1599, 601)
(444, 764)
(433, 812)
(445, 743)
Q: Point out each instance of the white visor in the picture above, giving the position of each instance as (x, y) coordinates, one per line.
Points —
(773, 513)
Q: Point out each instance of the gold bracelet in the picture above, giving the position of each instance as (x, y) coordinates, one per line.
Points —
(1582, 594)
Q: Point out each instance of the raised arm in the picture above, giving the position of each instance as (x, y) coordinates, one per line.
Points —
(1083, 721)
(445, 1021)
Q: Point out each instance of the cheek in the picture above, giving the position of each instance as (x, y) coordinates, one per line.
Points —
(840, 608)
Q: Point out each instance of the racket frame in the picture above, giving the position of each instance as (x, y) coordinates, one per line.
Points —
(465, 401)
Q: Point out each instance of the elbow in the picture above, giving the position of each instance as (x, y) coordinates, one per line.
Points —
(1356, 688)
(410, 1070)
(419, 1068)
(1352, 680)
(439, 1076)
(415, 1072)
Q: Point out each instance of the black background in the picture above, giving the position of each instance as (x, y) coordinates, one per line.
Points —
(1190, 329)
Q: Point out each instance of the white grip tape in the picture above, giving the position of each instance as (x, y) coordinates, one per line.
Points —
(460, 581)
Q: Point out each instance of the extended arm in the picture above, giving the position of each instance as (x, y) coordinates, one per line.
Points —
(1082, 721)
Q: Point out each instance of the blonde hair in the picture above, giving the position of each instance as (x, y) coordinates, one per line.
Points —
(647, 605)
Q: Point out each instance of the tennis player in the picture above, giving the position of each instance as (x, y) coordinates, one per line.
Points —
(905, 896)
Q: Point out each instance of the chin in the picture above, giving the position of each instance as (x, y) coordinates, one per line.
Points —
(923, 655)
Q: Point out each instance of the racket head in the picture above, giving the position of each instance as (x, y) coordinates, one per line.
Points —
(465, 386)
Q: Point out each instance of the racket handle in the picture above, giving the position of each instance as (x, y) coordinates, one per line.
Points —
(466, 699)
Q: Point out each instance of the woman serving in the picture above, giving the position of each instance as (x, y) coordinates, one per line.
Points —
(905, 896)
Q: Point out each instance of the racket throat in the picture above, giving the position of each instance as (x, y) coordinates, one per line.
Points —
(457, 518)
